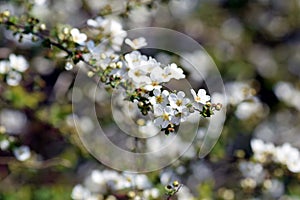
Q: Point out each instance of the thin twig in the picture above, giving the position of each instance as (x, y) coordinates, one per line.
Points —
(170, 196)
(37, 164)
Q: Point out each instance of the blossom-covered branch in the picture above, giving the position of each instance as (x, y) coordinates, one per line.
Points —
(141, 77)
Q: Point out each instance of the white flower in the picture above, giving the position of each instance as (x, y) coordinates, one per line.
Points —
(178, 101)
(192, 59)
(201, 96)
(157, 74)
(155, 193)
(136, 43)
(257, 145)
(4, 144)
(97, 177)
(22, 153)
(262, 151)
(185, 194)
(181, 115)
(94, 197)
(249, 108)
(159, 97)
(175, 72)
(149, 129)
(77, 36)
(275, 188)
(152, 85)
(115, 29)
(19, 63)
(68, 66)
(151, 193)
(238, 91)
(252, 170)
(80, 193)
(139, 76)
(141, 181)
(150, 64)
(14, 121)
(134, 59)
(4, 66)
(160, 75)
(97, 22)
(112, 28)
(13, 78)
(163, 75)
(101, 55)
(289, 156)
(164, 115)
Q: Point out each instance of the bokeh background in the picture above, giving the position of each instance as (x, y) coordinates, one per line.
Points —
(256, 47)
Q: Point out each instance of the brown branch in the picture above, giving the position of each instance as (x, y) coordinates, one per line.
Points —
(36, 164)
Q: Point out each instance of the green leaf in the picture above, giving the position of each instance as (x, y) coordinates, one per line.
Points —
(20, 98)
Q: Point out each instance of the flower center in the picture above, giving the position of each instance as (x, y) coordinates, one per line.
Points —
(159, 99)
(137, 73)
(165, 117)
(179, 102)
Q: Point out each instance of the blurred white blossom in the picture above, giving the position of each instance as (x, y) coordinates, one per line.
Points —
(13, 68)
(22, 153)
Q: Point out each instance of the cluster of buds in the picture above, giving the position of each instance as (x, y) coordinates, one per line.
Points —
(172, 189)
(209, 108)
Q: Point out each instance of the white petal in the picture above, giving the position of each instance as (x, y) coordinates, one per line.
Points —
(156, 92)
(193, 93)
(180, 95)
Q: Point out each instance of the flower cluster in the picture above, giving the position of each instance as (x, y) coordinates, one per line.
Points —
(284, 154)
(141, 77)
(110, 30)
(10, 143)
(269, 164)
(13, 68)
(144, 78)
(288, 93)
(100, 184)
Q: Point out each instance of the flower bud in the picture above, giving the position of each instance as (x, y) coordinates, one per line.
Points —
(2, 130)
(66, 31)
(218, 106)
(43, 27)
(141, 122)
(90, 74)
(169, 188)
(131, 194)
(113, 65)
(34, 39)
(68, 66)
(6, 13)
(102, 56)
(144, 112)
(103, 79)
(175, 183)
(141, 104)
(119, 65)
